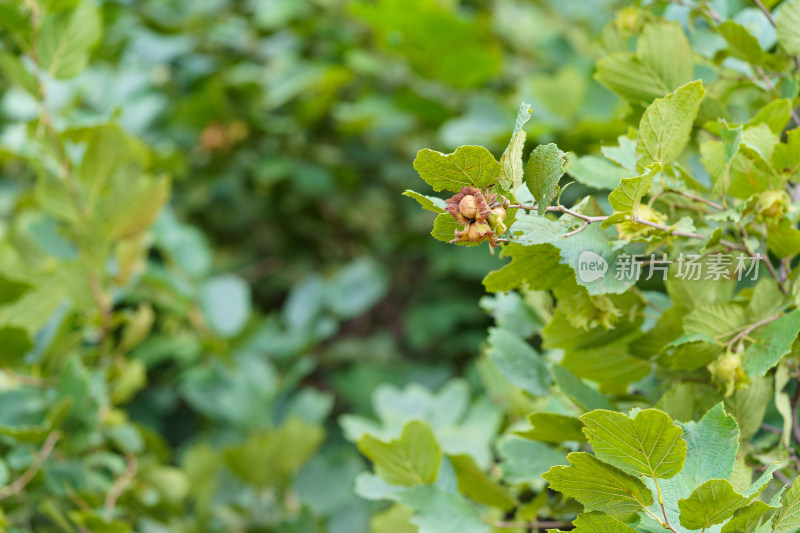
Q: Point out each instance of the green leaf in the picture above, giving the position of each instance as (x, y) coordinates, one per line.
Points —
(542, 173)
(13, 70)
(444, 229)
(773, 343)
(395, 519)
(711, 447)
(443, 512)
(673, 64)
(468, 165)
(719, 321)
(749, 405)
(595, 171)
(524, 461)
(67, 39)
(624, 74)
(428, 203)
(225, 300)
(628, 194)
(476, 485)
(597, 522)
(579, 392)
(748, 519)
(356, 287)
(413, 459)
(741, 43)
(535, 267)
(624, 154)
(776, 114)
(711, 503)
(667, 123)
(788, 24)
(14, 344)
(599, 486)
(783, 239)
(271, 457)
(787, 519)
(648, 444)
(655, 70)
(511, 160)
(553, 427)
(518, 362)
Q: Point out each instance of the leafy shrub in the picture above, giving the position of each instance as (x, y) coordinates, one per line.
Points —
(651, 332)
(214, 306)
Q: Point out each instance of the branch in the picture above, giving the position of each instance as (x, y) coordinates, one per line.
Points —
(766, 11)
(119, 486)
(771, 86)
(66, 168)
(700, 199)
(710, 12)
(18, 484)
(749, 329)
(795, 405)
(535, 524)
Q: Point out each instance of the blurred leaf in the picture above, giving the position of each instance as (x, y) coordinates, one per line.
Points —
(476, 485)
(447, 512)
(787, 22)
(67, 38)
(272, 457)
(226, 303)
(356, 288)
(413, 459)
(518, 362)
(553, 427)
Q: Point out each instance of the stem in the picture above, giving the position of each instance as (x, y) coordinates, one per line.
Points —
(710, 12)
(668, 230)
(45, 120)
(795, 405)
(771, 86)
(119, 486)
(700, 199)
(766, 11)
(535, 524)
(18, 484)
(663, 508)
(755, 325)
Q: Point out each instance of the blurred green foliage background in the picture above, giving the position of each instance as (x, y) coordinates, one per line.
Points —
(287, 278)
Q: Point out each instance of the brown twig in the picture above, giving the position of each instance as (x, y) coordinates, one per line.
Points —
(700, 199)
(535, 524)
(119, 486)
(749, 329)
(771, 86)
(710, 11)
(795, 404)
(18, 484)
(66, 167)
(771, 19)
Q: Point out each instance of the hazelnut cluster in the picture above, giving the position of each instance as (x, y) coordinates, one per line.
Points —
(480, 213)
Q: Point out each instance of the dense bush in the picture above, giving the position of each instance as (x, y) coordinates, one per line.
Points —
(215, 303)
